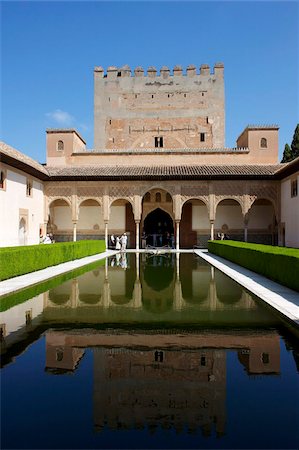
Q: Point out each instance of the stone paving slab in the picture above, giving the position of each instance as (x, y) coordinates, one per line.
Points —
(282, 298)
(23, 281)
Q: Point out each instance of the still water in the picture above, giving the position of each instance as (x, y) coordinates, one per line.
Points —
(146, 351)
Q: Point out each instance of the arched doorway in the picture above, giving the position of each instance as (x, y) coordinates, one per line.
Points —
(195, 224)
(158, 228)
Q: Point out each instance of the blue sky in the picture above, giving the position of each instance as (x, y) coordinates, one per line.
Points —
(49, 50)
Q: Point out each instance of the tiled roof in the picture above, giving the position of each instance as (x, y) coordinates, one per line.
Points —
(164, 151)
(21, 161)
(164, 172)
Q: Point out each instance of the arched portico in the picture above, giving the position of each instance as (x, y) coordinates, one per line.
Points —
(261, 222)
(195, 224)
(229, 219)
(121, 219)
(90, 223)
(157, 218)
(60, 222)
(158, 228)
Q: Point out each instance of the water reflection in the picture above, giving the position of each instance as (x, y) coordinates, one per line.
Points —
(161, 379)
(166, 342)
(171, 289)
(155, 283)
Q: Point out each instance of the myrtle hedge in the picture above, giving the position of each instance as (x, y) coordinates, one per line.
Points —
(280, 264)
(20, 260)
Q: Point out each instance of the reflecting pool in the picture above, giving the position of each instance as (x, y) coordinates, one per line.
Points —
(146, 351)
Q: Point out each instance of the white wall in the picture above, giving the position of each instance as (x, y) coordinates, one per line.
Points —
(117, 218)
(231, 215)
(14, 198)
(290, 212)
(200, 217)
(260, 216)
(90, 216)
(62, 217)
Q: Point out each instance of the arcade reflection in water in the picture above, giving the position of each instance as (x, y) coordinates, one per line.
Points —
(154, 283)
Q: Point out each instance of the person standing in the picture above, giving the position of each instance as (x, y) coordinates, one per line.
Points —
(124, 241)
(112, 239)
(117, 245)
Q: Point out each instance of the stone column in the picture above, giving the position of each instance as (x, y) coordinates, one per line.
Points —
(177, 246)
(137, 223)
(74, 230)
(106, 234)
(212, 229)
(75, 293)
(245, 228)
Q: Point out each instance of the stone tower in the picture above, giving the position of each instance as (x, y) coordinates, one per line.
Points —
(170, 111)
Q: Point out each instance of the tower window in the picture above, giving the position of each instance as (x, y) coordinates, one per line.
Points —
(264, 143)
(202, 360)
(202, 137)
(159, 141)
(159, 356)
(152, 96)
(265, 358)
(60, 146)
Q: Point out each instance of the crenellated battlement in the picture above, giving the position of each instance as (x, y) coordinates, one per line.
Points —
(114, 72)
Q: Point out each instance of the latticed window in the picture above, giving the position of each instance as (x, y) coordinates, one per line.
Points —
(147, 197)
(60, 146)
(158, 197)
(29, 188)
(2, 180)
(294, 188)
(264, 143)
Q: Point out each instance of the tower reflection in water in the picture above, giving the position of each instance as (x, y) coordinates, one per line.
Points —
(159, 377)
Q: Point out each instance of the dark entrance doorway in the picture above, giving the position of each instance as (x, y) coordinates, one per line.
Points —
(158, 229)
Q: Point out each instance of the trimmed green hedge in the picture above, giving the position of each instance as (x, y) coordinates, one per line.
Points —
(280, 264)
(16, 261)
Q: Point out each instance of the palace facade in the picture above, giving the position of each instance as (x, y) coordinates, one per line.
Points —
(159, 170)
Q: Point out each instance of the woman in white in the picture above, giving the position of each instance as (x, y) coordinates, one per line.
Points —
(117, 245)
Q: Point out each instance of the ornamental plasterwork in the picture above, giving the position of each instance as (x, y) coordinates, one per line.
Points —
(58, 191)
(83, 198)
(68, 199)
(267, 192)
(195, 191)
(204, 198)
(228, 189)
(89, 191)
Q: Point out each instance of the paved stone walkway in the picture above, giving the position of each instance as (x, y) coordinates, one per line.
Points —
(23, 281)
(283, 299)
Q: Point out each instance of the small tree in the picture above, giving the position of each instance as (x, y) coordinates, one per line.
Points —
(287, 154)
(295, 143)
(292, 152)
